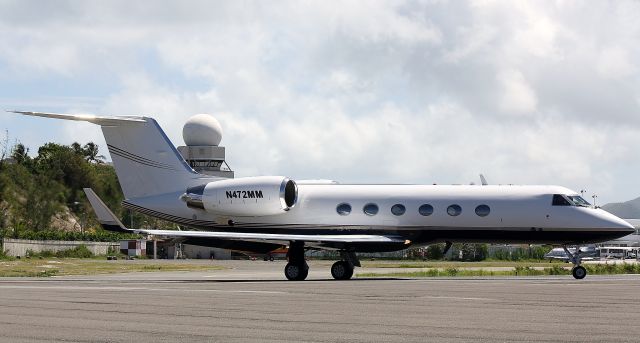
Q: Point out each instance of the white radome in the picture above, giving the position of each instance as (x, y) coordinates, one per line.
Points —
(202, 129)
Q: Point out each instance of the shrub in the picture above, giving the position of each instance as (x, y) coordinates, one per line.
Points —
(98, 236)
(451, 271)
(80, 251)
(530, 253)
(555, 270)
(435, 252)
(528, 271)
(629, 268)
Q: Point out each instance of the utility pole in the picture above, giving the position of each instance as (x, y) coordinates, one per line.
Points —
(594, 200)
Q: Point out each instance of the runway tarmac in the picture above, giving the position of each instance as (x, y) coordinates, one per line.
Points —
(253, 303)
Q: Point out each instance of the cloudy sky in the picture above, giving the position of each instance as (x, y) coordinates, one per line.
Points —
(536, 92)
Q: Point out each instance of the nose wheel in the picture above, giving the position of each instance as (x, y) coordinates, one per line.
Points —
(578, 271)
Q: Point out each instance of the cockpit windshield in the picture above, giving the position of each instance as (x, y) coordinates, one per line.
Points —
(579, 201)
(569, 200)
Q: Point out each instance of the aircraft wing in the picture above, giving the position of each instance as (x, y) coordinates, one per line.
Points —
(110, 222)
(268, 237)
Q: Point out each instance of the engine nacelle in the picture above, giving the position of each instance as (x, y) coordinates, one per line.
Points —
(248, 196)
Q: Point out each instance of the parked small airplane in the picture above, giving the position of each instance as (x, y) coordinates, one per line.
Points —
(266, 212)
(587, 253)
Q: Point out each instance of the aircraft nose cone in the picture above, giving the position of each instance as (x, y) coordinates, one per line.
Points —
(630, 228)
(617, 223)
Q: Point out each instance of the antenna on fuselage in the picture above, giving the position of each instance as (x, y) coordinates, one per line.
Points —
(483, 181)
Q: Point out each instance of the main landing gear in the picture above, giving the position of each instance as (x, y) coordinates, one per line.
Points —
(298, 270)
(578, 271)
(343, 270)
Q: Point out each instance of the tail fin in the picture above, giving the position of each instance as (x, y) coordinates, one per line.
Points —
(107, 219)
(145, 160)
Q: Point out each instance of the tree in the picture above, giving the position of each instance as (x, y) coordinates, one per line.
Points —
(20, 154)
(91, 153)
(33, 199)
(4, 148)
(34, 190)
(77, 148)
(4, 205)
(435, 252)
(61, 164)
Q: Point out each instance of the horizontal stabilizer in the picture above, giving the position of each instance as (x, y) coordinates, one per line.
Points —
(100, 120)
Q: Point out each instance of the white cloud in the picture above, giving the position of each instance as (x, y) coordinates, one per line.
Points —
(516, 96)
(390, 91)
(615, 63)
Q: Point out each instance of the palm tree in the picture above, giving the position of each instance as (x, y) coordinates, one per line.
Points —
(77, 148)
(91, 153)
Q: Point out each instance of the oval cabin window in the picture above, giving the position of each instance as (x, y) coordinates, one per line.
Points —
(454, 210)
(425, 210)
(483, 210)
(343, 209)
(398, 209)
(370, 209)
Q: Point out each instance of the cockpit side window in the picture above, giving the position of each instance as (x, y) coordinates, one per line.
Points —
(561, 200)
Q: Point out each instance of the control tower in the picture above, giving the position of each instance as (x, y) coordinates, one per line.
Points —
(202, 134)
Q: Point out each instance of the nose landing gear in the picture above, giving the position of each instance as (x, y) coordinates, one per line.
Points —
(578, 271)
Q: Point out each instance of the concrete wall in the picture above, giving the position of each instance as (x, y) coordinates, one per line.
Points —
(19, 247)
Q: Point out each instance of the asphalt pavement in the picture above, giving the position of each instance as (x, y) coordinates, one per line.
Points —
(251, 302)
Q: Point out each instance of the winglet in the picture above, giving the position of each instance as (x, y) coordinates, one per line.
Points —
(107, 219)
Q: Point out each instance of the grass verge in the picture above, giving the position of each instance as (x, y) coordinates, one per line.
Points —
(71, 266)
(594, 269)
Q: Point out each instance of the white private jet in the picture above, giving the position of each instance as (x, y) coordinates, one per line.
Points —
(265, 212)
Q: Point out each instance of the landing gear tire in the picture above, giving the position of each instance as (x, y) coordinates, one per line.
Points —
(296, 272)
(579, 272)
(341, 270)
